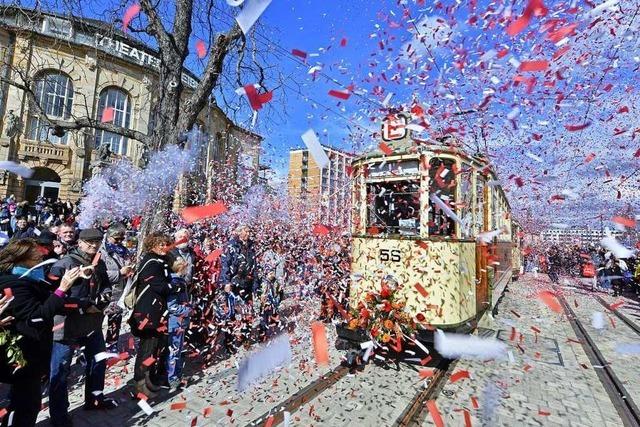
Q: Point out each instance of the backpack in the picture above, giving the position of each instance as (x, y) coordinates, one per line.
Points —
(130, 295)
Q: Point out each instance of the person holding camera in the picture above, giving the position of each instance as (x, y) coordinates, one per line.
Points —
(80, 327)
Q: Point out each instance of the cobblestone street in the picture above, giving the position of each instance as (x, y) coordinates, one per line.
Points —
(546, 380)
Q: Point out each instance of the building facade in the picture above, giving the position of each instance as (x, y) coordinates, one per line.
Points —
(326, 190)
(577, 236)
(80, 68)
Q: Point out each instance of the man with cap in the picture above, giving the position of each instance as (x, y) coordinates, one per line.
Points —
(116, 258)
(80, 327)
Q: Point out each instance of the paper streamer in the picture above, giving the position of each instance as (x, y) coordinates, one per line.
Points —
(17, 168)
(250, 13)
(310, 139)
(446, 209)
(469, 346)
(264, 361)
(45, 262)
(145, 407)
(320, 344)
(551, 301)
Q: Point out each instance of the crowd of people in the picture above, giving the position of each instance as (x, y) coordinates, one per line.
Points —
(608, 272)
(201, 290)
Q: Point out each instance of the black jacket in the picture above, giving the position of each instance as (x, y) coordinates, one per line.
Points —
(34, 308)
(153, 285)
(23, 234)
(94, 291)
(238, 263)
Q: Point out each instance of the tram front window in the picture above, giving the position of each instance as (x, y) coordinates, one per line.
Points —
(443, 181)
(394, 207)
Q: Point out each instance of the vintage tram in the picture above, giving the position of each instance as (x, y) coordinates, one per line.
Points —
(437, 221)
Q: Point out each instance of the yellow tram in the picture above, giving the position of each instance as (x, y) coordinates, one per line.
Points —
(436, 220)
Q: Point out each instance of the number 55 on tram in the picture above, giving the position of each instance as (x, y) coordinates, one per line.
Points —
(436, 220)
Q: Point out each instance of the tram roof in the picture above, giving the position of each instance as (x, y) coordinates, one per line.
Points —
(413, 146)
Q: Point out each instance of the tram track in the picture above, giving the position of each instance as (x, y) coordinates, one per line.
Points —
(620, 397)
(301, 397)
(630, 323)
(415, 413)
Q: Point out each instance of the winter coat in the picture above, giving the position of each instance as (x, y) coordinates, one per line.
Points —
(84, 293)
(238, 263)
(114, 257)
(152, 289)
(33, 308)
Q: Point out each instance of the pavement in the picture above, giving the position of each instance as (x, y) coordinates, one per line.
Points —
(546, 380)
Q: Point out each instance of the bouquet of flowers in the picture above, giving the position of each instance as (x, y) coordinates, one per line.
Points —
(382, 314)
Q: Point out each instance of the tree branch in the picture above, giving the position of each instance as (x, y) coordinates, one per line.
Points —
(209, 79)
(182, 26)
(165, 40)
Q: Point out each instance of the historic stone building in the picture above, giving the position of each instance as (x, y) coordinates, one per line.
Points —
(78, 68)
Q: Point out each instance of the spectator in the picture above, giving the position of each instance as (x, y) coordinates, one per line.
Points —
(239, 264)
(179, 312)
(32, 309)
(80, 327)
(116, 258)
(153, 285)
(67, 236)
(184, 251)
(23, 230)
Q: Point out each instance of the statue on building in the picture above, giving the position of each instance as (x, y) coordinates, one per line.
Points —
(144, 157)
(103, 159)
(13, 126)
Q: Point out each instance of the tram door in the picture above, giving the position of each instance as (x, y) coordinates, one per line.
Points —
(482, 250)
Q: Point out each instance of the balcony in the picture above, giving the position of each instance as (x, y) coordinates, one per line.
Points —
(44, 150)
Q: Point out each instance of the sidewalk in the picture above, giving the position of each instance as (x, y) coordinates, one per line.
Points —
(548, 381)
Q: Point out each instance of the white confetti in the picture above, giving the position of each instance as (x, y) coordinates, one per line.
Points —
(468, 346)
(310, 139)
(250, 13)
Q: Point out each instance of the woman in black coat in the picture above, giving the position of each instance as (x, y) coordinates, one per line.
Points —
(32, 307)
(147, 321)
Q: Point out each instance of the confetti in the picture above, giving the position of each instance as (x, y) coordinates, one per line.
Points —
(263, 361)
(197, 213)
(107, 115)
(435, 413)
(320, 344)
(178, 406)
(468, 346)
(250, 13)
(550, 299)
(317, 152)
(201, 49)
(131, 12)
(459, 375)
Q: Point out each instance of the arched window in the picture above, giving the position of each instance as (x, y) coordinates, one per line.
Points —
(54, 94)
(117, 99)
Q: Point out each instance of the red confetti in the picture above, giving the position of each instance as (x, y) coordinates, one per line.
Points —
(550, 299)
(616, 305)
(207, 411)
(229, 412)
(435, 413)
(474, 402)
(515, 314)
(320, 230)
(149, 361)
(196, 213)
(270, 421)
(107, 115)
(257, 100)
(421, 289)
(385, 149)
(178, 406)
(201, 49)
(422, 244)
(425, 373)
(543, 413)
(320, 344)
(343, 42)
(457, 376)
(574, 128)
(533, 65)
(536, 330)
(129, 14)
(340, 94)
(467, 418)
(425, 360)
(299, 53)
(589, 157)
(627, 222)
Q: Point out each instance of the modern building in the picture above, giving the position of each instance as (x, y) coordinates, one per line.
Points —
(577, 236)
(78, 67)
(326, 191)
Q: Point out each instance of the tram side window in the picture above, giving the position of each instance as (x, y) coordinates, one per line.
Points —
(394, 207)
(442, 179)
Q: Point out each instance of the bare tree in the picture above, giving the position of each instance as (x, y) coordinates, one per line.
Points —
(171, 26)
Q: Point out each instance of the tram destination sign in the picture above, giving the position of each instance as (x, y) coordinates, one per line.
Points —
(394, 127)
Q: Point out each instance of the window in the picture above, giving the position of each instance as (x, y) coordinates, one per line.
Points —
(466, 203)
(394, 207)
(117, 99)
(442, 180)
(54, 94)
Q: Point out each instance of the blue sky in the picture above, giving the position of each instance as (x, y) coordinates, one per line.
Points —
(462, 59)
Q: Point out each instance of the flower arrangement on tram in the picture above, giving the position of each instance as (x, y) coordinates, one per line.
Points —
(381, 313)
